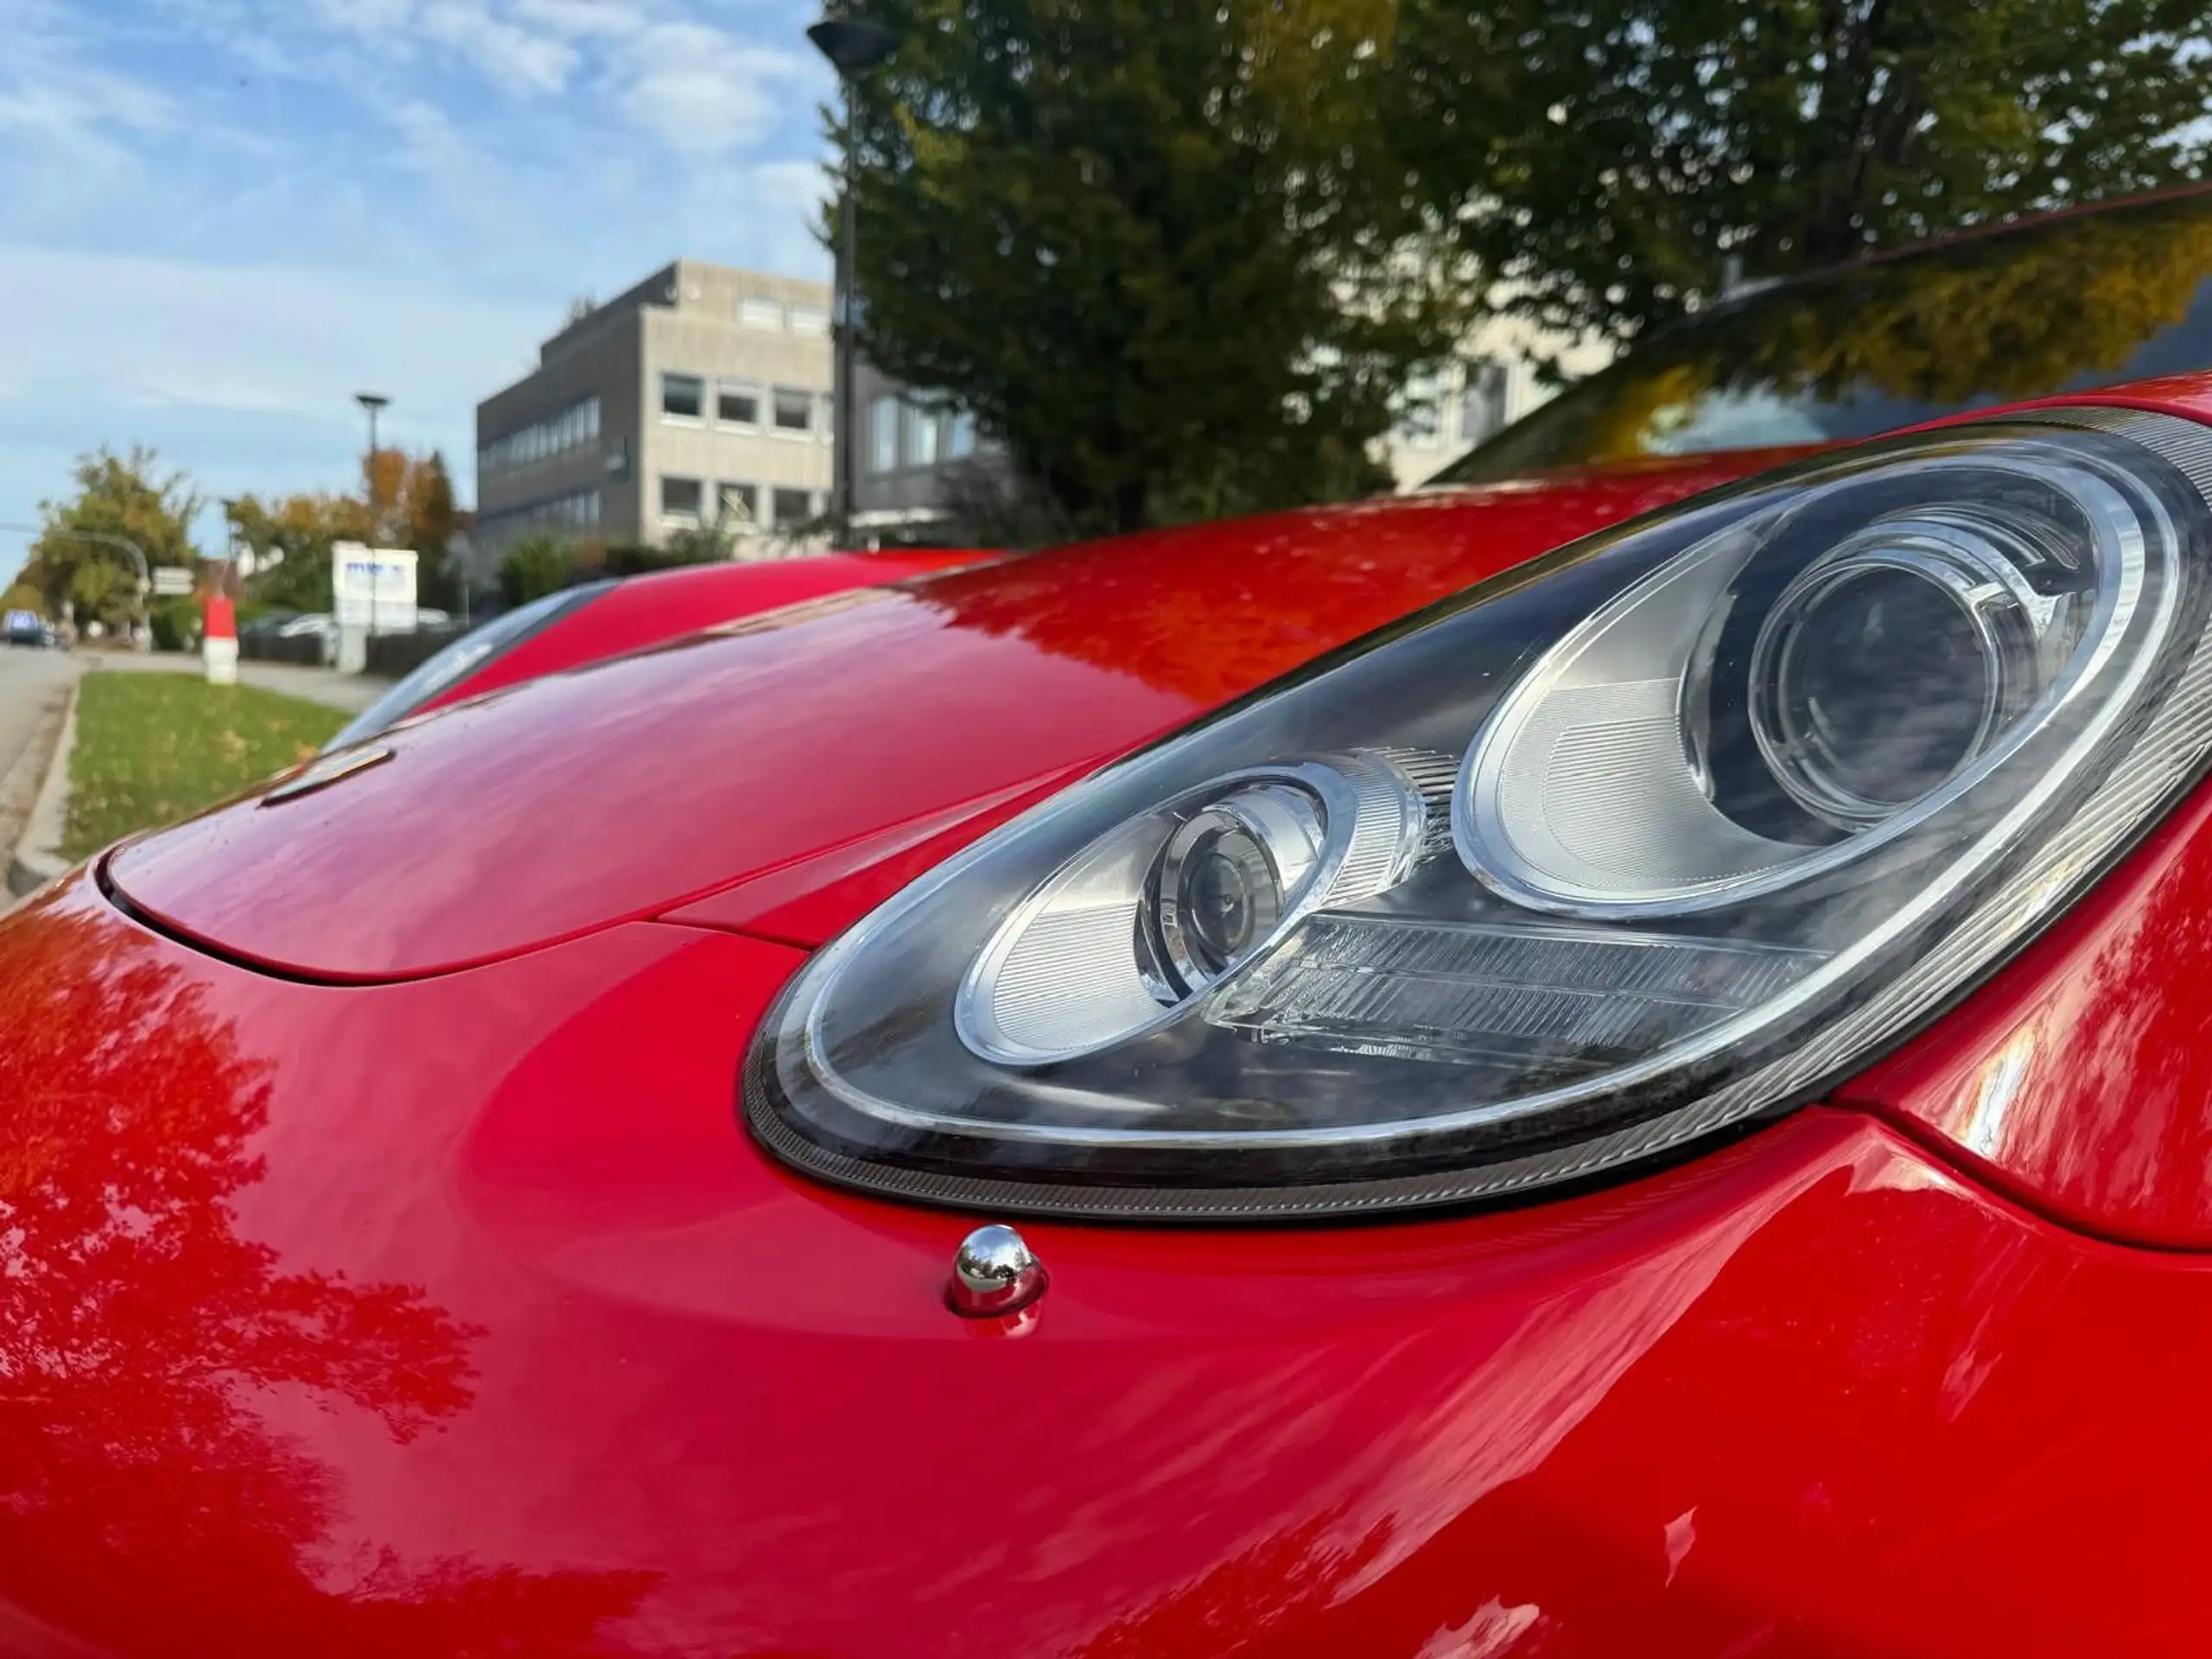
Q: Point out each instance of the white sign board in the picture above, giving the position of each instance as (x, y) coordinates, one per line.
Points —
(373, 588)
(173, 581)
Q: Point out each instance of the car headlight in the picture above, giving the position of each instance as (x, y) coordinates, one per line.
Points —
(452, 662)
(1667, 830)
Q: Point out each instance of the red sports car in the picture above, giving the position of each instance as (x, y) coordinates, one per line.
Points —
(1608, 1058)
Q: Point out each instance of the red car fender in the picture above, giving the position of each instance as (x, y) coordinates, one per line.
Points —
(457, 1316)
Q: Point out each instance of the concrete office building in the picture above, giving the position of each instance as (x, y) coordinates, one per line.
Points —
(700, 396)
(1492, 382)
(912, 464)
(917, 462)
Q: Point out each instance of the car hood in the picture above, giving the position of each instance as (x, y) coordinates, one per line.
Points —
(780, 774)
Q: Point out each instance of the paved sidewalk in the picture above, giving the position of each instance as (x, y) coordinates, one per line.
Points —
(31, 686)
(352, 692)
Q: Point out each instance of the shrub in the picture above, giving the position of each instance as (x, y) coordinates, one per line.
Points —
(535, 566)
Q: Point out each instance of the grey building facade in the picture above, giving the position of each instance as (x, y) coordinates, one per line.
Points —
(919, 465)
(699, 397)
(915, 463)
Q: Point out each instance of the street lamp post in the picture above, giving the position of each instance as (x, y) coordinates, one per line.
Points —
(854, 48)
(373, 402)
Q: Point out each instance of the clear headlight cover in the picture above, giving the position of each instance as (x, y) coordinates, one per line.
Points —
(1656, 834)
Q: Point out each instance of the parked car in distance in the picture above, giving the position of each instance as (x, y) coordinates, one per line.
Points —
(1604, 1058)
(266, 622)
(26, 628)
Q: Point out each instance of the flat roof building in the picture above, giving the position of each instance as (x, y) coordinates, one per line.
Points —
(700, 397)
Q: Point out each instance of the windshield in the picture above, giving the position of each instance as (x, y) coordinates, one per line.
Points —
(2076, 301)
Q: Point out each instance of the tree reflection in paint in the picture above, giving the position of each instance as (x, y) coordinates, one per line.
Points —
(136, 1327)
(2065, 303)
(1208, 616)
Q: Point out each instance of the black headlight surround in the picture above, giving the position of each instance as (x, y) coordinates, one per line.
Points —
(2142, 768)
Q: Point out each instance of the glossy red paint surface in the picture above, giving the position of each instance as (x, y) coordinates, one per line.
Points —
(664, 605)
(2080, 1077)
(793, 735)
(453, 1316)
(460, 1317)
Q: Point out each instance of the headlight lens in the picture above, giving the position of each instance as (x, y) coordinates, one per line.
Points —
(1662, 832)
(1119, 939)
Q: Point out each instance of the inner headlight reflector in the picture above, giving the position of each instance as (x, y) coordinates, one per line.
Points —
(1116, 941)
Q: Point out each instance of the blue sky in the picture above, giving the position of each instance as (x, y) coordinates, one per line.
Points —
(218, 219)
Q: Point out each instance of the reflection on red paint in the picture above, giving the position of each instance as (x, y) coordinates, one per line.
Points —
(869, 709)
(137, 1328)
(2078, 1079)
(562, 1367)
(1209, 612)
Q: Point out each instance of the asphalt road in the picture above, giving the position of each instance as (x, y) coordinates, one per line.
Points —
(29, 682)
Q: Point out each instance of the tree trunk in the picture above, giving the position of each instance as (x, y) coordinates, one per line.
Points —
(1129, 508)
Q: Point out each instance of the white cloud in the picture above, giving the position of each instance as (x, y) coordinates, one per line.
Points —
(260, 338)
(67, 124)
(41, 104)
(702, 92)
(517, 53)
(512, 55)
(221, 217)
(580, 19)
(388, 17)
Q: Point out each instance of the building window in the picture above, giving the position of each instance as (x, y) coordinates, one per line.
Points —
(577, 510)
(682, 396)
(737, 402)
(758, 311)
(793, 508)
(741, 505)
(679, 499)
(556, 434)
(921, 437)
(805, 320)
(1482, 401)
(1420, 422)
(794, 410)
(883, 435)
(959, 436)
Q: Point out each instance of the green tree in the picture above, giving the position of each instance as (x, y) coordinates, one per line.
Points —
(290, 537)
(102, 592)
(414, 508)
(1164, 252)
(23, 596)
(2076, 299)
(1607, 160)
(698, 544)
(81, 556)
(536, 565)
(291, 541)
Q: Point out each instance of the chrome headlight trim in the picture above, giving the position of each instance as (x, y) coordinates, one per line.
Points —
(1374, 823)
(1483, 828)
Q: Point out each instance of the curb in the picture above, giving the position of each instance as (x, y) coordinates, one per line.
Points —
(36, 861)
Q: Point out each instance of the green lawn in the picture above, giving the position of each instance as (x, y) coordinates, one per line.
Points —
(154, 748)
